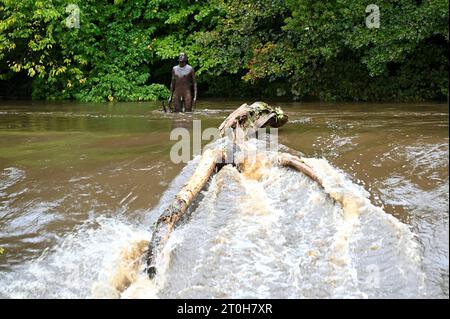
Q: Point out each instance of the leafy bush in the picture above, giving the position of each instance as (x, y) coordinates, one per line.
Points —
(124, 50)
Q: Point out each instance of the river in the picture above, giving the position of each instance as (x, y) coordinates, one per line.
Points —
(81, 185)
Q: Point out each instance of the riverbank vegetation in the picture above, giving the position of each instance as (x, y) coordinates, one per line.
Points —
(123, 50)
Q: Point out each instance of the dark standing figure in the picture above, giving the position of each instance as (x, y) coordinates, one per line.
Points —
(182, 84)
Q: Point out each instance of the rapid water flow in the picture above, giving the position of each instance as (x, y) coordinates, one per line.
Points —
(81, 185)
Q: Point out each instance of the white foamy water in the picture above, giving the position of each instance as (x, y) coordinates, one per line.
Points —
(284, 237)
(265, 232)
(428, 208)
(81, 266)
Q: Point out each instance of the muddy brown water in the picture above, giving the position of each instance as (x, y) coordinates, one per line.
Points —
(63, 165)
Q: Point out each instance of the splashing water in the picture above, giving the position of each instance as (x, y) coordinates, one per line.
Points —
(265, 232)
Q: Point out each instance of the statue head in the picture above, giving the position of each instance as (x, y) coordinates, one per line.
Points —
(182, 58)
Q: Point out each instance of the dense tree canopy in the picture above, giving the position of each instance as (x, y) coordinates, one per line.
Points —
(124, 50)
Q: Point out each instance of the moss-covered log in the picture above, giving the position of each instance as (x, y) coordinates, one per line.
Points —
(253, 117)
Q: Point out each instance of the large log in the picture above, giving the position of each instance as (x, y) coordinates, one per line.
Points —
(179, 206)
(240, 123)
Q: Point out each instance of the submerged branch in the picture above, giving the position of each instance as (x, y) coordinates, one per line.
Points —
(289, 160)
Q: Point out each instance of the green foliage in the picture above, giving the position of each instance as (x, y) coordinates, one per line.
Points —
(106, 59)
(124, 50)
(326, 51)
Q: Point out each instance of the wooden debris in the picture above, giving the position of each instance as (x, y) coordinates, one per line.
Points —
(238, 125)
(289, 160)
(254, 116)
(179, 206)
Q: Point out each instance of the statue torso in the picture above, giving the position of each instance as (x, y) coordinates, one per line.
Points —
(183, 78)
(182, 71)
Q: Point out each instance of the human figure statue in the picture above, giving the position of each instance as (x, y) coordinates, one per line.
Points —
(182, 84)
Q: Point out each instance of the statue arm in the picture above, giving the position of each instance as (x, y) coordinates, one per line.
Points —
(172, 86)
(194, 83)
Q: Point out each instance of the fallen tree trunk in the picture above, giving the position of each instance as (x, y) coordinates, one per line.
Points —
(240, 123)
(179, 206)
(233, 118)
(286, 159)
